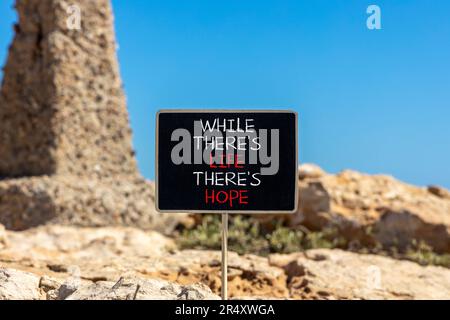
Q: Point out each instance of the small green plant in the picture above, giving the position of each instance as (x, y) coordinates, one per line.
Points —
(284, 240)
(422, 253)
(205, 235)
(248, 235)
(242, 235)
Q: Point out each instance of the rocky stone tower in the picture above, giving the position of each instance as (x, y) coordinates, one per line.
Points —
(65, 143)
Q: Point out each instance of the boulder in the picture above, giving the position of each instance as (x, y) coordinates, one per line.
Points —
(310, 170)
(439, 192)
(61, 245)
(337, 274)
(18, 285)
(136, 289)
(375, 208)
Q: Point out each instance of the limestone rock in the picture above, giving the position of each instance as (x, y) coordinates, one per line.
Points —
(18, 285)
(336, 274)
(82, 201)
(151, 289)
(439, 192)
(66, 151)
(106, 254)
(62, 106)
(61, 262)
(310, 170)
(66, 290)
(248, 275)
(59, 245)
(48, 284)
(375, 208)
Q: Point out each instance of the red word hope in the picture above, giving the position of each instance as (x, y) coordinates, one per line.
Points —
(226, 196)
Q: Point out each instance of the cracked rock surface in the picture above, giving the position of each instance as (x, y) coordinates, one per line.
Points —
(61, 262)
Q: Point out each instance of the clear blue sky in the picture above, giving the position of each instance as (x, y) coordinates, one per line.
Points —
(375, 101)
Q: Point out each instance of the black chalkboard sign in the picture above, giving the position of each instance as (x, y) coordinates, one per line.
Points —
(226, 161)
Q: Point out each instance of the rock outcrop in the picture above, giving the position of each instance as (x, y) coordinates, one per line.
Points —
(337, 274)
(60, 262)
(66, 152)
(19, 285)
(137, 289)
(63, 110)
(373, 208)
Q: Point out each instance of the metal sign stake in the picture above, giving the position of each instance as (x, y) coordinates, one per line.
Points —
(225, 256)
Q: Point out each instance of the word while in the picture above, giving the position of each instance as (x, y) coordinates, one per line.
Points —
(228, 125)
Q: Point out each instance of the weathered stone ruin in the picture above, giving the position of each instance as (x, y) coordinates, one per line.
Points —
(65, 142)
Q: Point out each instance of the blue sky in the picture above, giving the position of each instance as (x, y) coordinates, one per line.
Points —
(376, 101)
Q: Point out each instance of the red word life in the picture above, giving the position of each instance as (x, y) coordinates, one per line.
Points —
(226, 161)
(226, 196)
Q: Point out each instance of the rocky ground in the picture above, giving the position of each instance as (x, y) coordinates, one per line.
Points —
(61, 262)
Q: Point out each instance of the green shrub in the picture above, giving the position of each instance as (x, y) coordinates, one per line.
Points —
(248, 235)
(422, 253)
